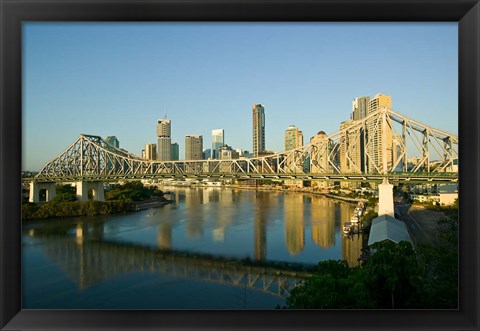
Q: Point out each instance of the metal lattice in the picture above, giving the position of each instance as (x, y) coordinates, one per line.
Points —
(375, 146)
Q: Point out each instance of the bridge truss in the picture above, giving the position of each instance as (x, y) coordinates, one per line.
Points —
(367, 149)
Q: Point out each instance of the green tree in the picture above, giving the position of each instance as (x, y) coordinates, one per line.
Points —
(394, 274)
(65, 197)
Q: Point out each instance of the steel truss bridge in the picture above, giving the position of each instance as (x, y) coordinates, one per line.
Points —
(364, 150)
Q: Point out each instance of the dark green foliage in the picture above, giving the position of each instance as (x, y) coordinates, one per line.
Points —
(334, 285)
(65, 197)
(440, 266)
(60, 189)
(395, 276)
(75, 208)
(132, 191)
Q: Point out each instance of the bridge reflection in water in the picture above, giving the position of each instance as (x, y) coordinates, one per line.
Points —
(88, 259)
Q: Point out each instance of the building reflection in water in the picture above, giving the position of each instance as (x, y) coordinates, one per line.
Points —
(194, 213)
(164, 236)
(293, 214)
(263, 205)
(352, 249)
(223, 212)
(323, 221)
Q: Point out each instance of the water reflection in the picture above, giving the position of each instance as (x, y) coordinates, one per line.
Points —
(264, 203)
(89, 262)
(323, 221)
(232, 237)
(293, 213)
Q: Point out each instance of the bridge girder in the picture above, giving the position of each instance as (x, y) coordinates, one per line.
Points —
(376, 145)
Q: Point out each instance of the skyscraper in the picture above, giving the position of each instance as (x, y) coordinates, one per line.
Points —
(193, 147)
(350, 148)
(112, 141)
(175, 152)
(360, 108)
(164, 140)
(217, 142)
(379, 143)
(151, 151)
(258, 129)
(357, 153)
(293, 138)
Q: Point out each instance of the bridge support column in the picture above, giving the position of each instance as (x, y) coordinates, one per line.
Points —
(385, 199)
(35, 188)
(83, 187)
(98, 192)
(82, 191)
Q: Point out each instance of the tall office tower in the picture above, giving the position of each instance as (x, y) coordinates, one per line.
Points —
(151, 151)
(207, 154)
(164, 140)
(112, 141)
(193, 147)
(175, 152)
(217, 142)
(360, 108)
(293, 138)
(379, 138)
(350, 148)
(258, 130)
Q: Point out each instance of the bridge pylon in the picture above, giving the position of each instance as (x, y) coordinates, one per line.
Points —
(35, 188)
(84, 187)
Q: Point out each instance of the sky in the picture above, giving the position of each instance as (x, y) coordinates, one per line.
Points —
(118, 79)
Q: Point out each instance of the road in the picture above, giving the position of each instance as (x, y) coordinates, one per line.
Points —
(421, 222)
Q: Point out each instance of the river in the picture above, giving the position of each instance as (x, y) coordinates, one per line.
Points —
(214, 248)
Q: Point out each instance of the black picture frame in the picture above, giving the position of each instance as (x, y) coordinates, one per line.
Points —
(13, 12)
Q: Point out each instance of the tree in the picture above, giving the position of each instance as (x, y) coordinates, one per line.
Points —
(394, 274)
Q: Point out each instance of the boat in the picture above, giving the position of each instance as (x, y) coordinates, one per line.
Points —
(347, 227)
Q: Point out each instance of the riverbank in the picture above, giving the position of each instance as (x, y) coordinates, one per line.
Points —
(151, 203)
(47, 210)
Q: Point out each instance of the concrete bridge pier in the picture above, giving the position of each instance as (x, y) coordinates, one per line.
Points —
(35, 188)
(385, 199)
(84, 187)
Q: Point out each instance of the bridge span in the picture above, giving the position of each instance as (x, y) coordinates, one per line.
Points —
(359, 151)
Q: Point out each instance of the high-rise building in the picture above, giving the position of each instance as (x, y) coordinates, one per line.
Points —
(193, 147)
(379, 143)
(293, 138)
(218, 141)
(112, 141)
(227, 153)
(319, 156)
(164, 140)
(357, 152)
(258, 129)
(345, 139)
(151, 151)
(360, 108)
(175, 152)
(207, 154)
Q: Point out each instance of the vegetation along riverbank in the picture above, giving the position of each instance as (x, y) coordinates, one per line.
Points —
(395, 276)
(130, 196)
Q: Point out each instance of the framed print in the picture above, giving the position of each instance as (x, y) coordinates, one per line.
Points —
(239, 165)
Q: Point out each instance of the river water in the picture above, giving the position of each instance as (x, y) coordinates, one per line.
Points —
(214, 248)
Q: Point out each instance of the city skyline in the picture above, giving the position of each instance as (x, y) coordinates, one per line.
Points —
(416, 65)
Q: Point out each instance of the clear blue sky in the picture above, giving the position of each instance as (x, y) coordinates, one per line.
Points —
(119, 78)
